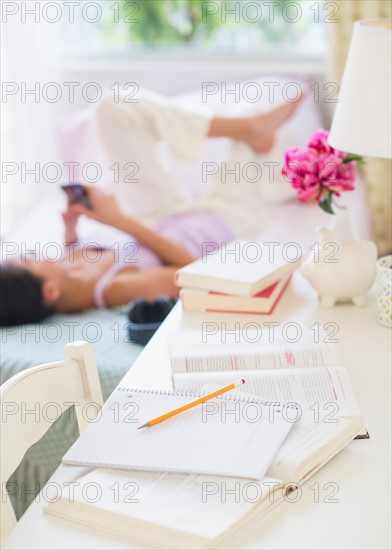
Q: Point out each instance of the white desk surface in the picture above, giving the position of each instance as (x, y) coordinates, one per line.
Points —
(361, 517)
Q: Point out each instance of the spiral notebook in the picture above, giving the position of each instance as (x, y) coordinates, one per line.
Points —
(231, 435)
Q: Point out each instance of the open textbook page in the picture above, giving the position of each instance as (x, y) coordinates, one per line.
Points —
(189, 354)
(319, 392)
(163, 507)
(310, 445)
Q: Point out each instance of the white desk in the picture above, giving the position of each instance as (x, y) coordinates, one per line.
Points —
(361, 517)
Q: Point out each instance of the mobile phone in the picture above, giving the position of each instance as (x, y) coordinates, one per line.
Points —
(77, 194)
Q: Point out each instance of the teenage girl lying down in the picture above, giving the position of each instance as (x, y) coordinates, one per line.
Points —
(174, 227)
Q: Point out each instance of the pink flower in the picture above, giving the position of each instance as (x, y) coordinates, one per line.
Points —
(319, 141)
(319, 171)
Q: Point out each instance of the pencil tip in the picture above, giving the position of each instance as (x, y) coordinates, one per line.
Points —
(144, 426)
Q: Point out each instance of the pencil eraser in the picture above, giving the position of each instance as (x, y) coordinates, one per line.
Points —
(242, 380)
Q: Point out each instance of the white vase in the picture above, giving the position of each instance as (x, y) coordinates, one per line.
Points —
(341, 267)
(341, 225)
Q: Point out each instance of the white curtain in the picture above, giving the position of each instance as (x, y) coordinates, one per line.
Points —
(30, 55)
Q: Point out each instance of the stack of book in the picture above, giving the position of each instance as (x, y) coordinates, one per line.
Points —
(241, 277)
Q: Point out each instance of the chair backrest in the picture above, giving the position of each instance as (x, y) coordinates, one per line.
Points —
(35, 398)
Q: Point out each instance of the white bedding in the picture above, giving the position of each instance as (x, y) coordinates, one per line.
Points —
(281, 218)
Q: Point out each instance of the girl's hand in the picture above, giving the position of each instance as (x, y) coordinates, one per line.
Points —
(104, 207)
(70, 218)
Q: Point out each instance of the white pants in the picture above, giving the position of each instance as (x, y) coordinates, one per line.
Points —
(132, 134)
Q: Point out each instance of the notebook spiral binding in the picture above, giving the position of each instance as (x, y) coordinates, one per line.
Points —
(185, 393)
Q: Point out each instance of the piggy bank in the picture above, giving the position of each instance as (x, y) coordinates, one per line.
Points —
(341, 269)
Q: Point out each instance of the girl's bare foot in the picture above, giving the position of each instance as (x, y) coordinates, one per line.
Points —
(259, 130)
(262, 127)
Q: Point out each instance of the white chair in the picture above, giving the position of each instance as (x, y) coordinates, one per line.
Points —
(48, 390)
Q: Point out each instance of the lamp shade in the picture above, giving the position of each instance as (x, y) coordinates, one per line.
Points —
(362, 121)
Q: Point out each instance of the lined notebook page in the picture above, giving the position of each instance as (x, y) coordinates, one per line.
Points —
(227, 436)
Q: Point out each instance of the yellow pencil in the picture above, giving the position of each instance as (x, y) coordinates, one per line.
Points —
(192, 404)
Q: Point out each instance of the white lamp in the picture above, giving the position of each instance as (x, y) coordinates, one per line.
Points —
(362, 121)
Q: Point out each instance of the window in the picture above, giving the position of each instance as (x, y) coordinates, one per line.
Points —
(259, 27)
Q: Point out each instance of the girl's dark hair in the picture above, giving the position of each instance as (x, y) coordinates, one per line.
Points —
(21, 297)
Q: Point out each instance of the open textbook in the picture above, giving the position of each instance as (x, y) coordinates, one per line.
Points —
(306, 373)
(173, 510)
(194, 352)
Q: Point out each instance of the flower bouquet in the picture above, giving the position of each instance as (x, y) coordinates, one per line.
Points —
(319, 172)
